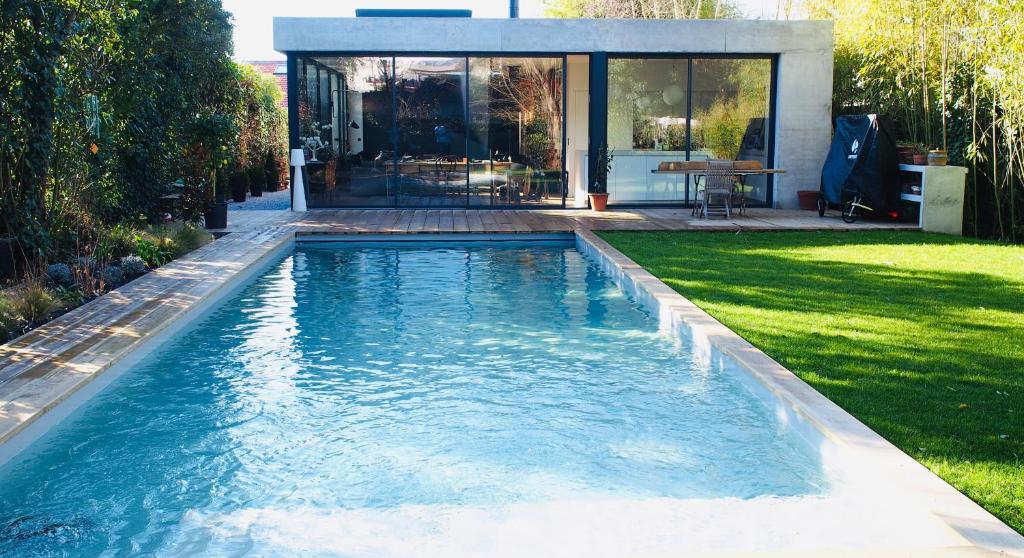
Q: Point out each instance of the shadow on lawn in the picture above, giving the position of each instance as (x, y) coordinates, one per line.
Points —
(932, 360)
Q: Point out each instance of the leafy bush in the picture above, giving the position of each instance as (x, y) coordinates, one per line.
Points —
(10, 323)
(271, 172)
(113, 276)
(189, 237)
(115, 243)
(69, 297)
(132, 266)
(154, 253)
(34, 304)
(257, 181)
(60, 275)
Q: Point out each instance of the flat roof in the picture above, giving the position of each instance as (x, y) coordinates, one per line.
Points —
(470, 35)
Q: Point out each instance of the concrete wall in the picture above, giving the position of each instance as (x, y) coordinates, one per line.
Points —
(804, 102)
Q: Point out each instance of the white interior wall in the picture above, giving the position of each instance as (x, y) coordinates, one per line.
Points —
(577, 128)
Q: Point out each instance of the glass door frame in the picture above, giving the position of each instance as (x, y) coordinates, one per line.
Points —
(295, 59)
(690, 57)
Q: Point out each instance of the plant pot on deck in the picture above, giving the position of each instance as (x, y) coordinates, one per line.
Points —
(808, 199)
(599, 202)
(216, 216)
(239, 182)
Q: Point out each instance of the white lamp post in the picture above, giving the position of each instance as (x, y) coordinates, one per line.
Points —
(299, 188)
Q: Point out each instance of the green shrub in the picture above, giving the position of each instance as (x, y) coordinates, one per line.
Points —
(69, 297)
(189, 237)
(239, 182)
(10, 323)
(113, 277)
(115, 243)
(271, 172)
(60, 275)
(257, 177)
(34, 304)
(154, 252)
(132, 267)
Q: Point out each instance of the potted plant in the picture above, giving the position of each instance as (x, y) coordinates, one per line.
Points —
(599, 188)
(239, 182)
(216, 215)
(257, 181)
(920, 155)
(271, 173)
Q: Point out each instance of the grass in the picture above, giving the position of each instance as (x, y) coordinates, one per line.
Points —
(920, 336)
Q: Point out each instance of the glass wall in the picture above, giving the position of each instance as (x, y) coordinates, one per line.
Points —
(515, 135)
(345, 123)
(730, 115)
(647, 107)
(685, 108)
(432, 131)
(431, 105)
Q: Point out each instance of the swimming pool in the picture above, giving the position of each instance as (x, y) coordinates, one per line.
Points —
(390, 400)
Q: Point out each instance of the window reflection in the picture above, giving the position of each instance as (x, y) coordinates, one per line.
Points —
(730, 114)
(430, 100)
(648, 103)
(515, 141)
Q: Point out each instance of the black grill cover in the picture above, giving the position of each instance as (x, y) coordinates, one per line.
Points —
(862, 161)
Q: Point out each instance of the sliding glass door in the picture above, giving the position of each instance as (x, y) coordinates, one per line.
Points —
(430, 103)
(515, 136)
(434, 131)
(346, 128)
(668, 109)
(730, 115)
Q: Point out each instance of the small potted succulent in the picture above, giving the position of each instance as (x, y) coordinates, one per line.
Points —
(599, 188)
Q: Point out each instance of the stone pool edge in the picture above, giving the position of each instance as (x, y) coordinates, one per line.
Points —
(680, 316)
(48, 373)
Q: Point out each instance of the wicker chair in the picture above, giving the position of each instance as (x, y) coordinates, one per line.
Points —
(717, 194)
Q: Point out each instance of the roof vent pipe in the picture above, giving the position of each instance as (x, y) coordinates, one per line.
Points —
(513, 9)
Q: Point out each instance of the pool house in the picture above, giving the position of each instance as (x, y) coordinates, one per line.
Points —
(405, 111)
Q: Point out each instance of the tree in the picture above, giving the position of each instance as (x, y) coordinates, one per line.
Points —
(643, 9)
(951, 75)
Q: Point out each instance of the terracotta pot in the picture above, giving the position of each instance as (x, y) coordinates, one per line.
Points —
(937, 157)
(808, 199)
(598, 202)
(920, 158)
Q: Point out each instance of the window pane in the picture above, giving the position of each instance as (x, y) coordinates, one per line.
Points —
(354, 170)
(515, 135)
(730, 115)
(431, 96)
(646, 126)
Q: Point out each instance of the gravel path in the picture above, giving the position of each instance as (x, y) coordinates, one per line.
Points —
(269, 200)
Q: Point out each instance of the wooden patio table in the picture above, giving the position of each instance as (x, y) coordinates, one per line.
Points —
(699, 169)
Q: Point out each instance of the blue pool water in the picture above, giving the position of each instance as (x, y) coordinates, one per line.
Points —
(362, 381)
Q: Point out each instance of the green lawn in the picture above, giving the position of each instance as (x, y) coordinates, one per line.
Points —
(920, 336)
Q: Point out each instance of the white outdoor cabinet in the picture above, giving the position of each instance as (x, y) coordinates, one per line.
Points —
(941, 199)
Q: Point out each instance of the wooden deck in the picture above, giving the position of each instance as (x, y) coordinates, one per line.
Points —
(402, 221)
